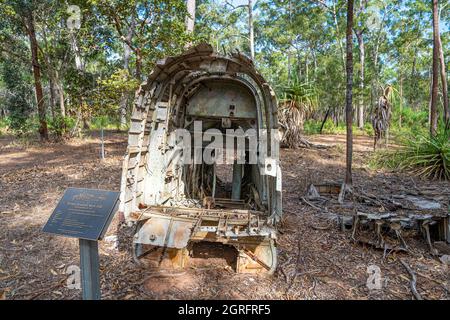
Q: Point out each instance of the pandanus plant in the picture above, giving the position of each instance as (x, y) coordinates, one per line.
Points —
(297, 102)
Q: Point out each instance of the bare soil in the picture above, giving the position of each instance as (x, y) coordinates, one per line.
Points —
(316, 259)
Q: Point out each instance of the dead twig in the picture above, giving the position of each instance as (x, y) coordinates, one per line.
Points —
(311, 205)
(413, 281)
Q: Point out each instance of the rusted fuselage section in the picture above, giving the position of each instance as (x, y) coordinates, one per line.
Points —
(174, 199)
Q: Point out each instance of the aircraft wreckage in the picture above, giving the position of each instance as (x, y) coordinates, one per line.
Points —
(175, 203)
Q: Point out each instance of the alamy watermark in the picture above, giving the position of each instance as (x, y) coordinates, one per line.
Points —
(74, 279)
(74, 20)
(213, 146)
(374, 280)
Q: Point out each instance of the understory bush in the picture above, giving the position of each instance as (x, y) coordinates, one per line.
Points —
(59, 126)
(313, 127)
(421, 155)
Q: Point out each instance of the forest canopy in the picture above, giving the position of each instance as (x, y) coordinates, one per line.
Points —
(64, 65)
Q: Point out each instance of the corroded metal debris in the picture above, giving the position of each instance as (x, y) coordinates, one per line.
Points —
(386, 221)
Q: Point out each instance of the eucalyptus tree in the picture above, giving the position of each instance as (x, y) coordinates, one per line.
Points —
(21, 14)
(159, 28)
(348, 181)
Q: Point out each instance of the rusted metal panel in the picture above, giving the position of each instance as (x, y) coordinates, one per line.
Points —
(222, 99)
(165, 231)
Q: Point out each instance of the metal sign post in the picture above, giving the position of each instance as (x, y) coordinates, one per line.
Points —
(85, 214)
(90, 269)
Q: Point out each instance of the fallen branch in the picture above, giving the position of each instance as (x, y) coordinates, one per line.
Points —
(413, 280)
(310, 204)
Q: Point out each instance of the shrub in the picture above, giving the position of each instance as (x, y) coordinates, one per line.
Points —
(424, 156)
(23, 126)
(413, 122)
(60, 126)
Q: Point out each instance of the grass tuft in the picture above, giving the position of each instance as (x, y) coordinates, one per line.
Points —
(425, 156)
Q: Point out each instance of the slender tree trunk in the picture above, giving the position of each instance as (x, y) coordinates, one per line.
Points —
(361, 79)
(411, 98)
(250, 28)
(29, 22)
(138, 64)
(338, 34)
(62, 105)
(289, 65)
(401, 101)
(430, 71)
(52, 96)
(435, 79)
(349, 95)
(314, 64)
(306, 68)
(324, 119)
(443, 82)
(126, 62)
(190, 19)
(80, 66)
(289, 54)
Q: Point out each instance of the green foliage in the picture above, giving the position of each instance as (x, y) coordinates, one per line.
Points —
(112, 88)
(160, 26)
(109, 93)
(312, 126)
(329, 127)
(3, 123)
(413, 123)
(105, 122)
(423, 156)
(22, 126)
(298, 101)
(302, 96)
(18, 100)
(300, 50)
(60, 126)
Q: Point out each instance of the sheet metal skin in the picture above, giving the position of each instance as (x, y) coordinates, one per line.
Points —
(160, 107)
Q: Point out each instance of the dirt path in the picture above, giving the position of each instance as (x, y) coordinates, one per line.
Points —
(316, 259)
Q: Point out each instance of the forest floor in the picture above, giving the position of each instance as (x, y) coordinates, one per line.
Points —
(316, 259)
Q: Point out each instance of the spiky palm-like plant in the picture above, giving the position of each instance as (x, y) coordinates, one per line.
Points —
(424, 156)
(298, 100)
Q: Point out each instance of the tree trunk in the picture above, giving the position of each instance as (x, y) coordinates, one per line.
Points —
(126, 61)
(413, 99)
(62, 106)
(138, 64)
(306, 68)
(324, 120)
(52, 96)
(361, 79)
(29, 22)
(190, 19)
(443, 82)
(349, 95)
(289, 65)
(250, 28)
(80, 66)
(401, 101)
(435, 79)
(338, 34)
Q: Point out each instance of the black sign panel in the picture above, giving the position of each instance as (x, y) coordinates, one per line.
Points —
(83, 213)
